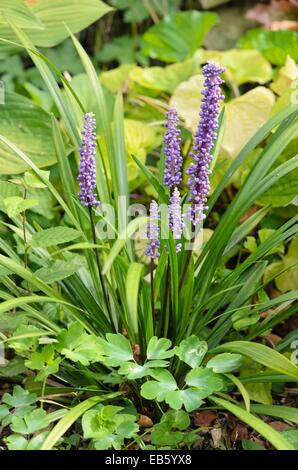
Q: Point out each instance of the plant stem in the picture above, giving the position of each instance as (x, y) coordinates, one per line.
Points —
(152, 289)
(99, 268)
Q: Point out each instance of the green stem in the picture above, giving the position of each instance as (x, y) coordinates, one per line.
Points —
(152, 288)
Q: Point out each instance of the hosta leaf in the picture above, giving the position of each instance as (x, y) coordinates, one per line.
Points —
(159, 348)
(163, 78)
(244, 116)
(285, 77)
(226, 362)
(29, 127)
(53, 236)
(187, 100)
(242, 66)
(177, 36)
(48, 27)
(139, 139)
(274, 45)
(192, 351)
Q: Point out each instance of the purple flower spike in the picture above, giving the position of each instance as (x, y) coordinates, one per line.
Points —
(153, 232)
(176, 217)
(204, 141)
(87, 174)
(173, 165)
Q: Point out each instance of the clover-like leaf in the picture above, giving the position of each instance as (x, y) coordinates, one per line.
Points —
(19, 397)
(30, 423)
(205, 381)
(117, 349)
(159, 348)
(225, 362)
(133, 371)
(189, 397)
(192, 351)
(44, 361)
(79, 346)
(159, 388)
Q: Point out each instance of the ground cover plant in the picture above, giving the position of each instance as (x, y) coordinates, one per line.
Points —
(148, 217)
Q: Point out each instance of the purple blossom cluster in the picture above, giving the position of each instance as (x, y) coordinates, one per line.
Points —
(176, 222)
(204, 141)
(87, 173)
(173, 165)
(153, 231)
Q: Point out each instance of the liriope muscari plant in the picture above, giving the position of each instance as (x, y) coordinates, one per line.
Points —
(198, 171)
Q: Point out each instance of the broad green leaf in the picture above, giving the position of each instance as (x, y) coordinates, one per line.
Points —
(19, 117)
(79, 346)
(139, 139)
(163, 78)
(177, 36)
(244, 116)
(19, 397)
(273, 436)
(30, 423)
(274, 45)
(159, 388)
(262, 354)
(116, 348)
(15, 205)
(133, 371)
(242, 66)
(34, 181)
(44, 362)
(187, 100)
(159, 348)
(48, 28)
(189, 397)
(192, 351)
(9, 190)
(205, 380)
(226, 362)
(58, 270)
(285, 77)
(115, 79)
(53, 236)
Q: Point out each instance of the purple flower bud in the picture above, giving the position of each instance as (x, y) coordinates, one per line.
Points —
(175, 217)
(204, 141)
(153, 231)
(173, 164)
(87, 173)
